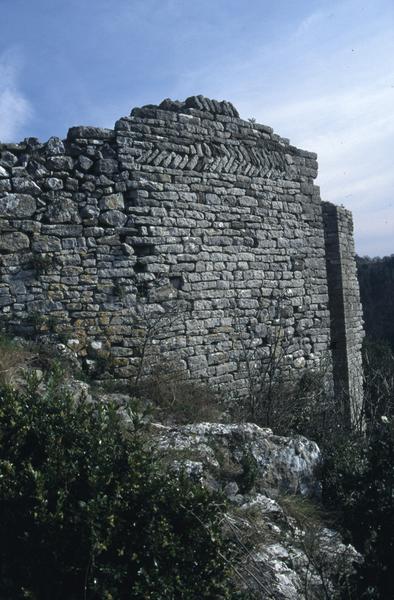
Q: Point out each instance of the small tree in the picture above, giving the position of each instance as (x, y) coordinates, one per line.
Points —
(263, 356)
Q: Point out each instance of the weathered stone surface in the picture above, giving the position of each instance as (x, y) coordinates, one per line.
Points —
(292, 560)
(7, 159)
(17, 205)
(25, 185)
(53, 183)
(55, 146)
(14, 242)
(85, 163)
(89, 213)
(5, 185)
(112, 202)
(106, 166)
(60, 163)
(113, 218)
(46, 244)
(286, 464)
(90, 133)
(63, 210)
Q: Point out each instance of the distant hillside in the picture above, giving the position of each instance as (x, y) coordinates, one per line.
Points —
(376, 276)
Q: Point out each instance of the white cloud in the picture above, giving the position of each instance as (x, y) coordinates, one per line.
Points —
(15, 110)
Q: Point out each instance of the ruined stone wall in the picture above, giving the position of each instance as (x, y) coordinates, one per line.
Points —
(182, 202)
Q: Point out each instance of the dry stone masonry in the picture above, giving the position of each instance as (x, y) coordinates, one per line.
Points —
(345, 307)
(182, 204)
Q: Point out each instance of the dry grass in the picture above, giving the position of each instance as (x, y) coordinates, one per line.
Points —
(177, 399)
(15, 357)
(306, 512)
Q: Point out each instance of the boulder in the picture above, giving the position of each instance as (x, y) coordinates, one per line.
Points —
(282, 463)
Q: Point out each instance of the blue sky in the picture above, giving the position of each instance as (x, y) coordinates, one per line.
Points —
(320, 72)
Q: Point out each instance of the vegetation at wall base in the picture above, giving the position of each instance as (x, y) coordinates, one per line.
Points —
(87, 512)
(358, 479)
(358, 484)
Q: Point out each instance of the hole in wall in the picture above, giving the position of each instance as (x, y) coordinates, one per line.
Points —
(177, 282)
(140, 267)
(131, 198)
(142, 289)
(297, 263)
(144, 249)
(108, 152)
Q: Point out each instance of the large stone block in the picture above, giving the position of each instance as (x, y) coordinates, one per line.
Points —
(14, 242)
(21, 206)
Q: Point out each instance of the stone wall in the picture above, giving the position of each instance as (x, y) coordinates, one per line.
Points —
(345, 309)
(181, 205)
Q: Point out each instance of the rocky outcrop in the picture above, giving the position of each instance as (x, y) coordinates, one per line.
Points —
(285, 550)
(278, 463)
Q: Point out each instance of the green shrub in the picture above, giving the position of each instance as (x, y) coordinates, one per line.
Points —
(87, 513)
(378, 366)
(358, 482)
(250, 470)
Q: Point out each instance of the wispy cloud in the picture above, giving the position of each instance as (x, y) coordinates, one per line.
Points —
(311, 21)
(353, 134)
(15, 109)
(344, 110)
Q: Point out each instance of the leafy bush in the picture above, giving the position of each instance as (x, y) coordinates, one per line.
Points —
(247, 479)
(378, 365)
(87, 512)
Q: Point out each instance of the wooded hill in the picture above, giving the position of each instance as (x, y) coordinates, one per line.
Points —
(376, 277)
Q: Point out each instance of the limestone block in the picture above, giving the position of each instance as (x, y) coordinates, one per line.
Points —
(55, 146)
(60, 163)
(113, 218)
(25, 185)
(90, 133)
(46, 244)
(85, 163)
(17, 205)
(54, 183)
(14, 242)
(5, 185)
(112, 202)
(106, 166)
(8, 159)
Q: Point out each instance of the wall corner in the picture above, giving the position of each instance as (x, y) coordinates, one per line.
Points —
(345, 312)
